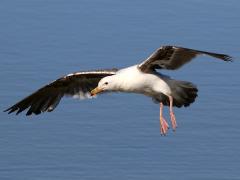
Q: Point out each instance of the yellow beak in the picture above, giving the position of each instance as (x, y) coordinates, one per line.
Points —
(96, 91)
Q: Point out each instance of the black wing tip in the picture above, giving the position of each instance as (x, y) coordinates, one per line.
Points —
(227, 58)
(10, 110)
(19, 110)
(37, 112)
(224, 57)
(28, 113)
(6, 110)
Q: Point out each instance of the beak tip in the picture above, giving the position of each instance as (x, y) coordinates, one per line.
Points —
(91, 93)
(95, 91)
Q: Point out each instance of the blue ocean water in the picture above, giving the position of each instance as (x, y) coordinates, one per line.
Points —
(116, 136)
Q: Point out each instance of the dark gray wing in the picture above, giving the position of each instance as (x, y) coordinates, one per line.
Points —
(77, 84)
(173, 57)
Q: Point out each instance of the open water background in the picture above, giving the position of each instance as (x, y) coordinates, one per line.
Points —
(117, 136)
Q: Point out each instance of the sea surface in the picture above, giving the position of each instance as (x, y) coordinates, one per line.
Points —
(116, 136)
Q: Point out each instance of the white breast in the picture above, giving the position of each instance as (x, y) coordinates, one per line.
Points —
(131, 79)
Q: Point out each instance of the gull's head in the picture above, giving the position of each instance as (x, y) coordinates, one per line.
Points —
(105, 84)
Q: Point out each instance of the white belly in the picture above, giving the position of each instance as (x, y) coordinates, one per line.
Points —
(131, 79)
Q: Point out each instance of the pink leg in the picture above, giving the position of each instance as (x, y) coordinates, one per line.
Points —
(173, 118)
(163, 123)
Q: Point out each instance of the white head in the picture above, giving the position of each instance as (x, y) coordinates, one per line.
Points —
(105, 84)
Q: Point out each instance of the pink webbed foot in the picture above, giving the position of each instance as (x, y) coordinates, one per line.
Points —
(163, 126)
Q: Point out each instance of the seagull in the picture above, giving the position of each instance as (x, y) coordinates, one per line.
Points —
(143, 78)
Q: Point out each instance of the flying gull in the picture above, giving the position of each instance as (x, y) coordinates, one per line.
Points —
(142, 78)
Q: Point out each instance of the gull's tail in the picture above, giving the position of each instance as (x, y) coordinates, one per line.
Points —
(184, 93)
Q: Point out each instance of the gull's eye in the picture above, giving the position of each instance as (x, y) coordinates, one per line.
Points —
(106, 83)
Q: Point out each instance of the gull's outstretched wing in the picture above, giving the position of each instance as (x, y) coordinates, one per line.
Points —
(77, 84)
(173, 57)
